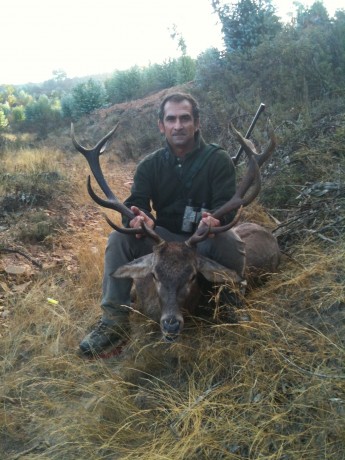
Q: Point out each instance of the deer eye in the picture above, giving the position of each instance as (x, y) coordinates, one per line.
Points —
(154, 276)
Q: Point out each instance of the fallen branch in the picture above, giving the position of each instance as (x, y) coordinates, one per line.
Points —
(17, 251)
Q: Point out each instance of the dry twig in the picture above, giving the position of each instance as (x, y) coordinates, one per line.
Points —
(17, 251)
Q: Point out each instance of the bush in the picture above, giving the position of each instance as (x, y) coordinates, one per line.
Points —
(86, 97)
(29, 178)
(38, 227)
(42, 115)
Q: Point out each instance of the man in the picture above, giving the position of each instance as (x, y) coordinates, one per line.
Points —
(187, 171)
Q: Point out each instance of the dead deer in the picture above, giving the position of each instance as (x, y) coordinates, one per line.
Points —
(166, 280)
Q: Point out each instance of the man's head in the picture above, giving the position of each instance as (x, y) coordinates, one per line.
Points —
(179, 97)
(179, 121)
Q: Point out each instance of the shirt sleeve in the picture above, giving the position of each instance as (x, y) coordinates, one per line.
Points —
(141, 190)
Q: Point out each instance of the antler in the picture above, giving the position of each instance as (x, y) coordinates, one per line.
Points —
(112, 202)
(252, 177)
(204, 231)
(251, 180)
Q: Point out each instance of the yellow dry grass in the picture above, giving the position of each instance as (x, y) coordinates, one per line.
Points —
(32, 161)
(273, 388)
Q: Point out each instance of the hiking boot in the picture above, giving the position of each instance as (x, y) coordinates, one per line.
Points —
(102, 336)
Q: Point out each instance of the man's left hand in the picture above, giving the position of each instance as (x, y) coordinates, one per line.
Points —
(209, 221)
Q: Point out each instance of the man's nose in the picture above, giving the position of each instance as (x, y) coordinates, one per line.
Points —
(178, 124)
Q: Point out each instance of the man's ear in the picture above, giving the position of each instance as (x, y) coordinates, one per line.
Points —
(161, 127)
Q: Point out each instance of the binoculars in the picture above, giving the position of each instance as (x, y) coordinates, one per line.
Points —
(192, 216)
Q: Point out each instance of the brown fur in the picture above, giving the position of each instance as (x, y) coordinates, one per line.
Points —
(166, 280)
(262, 250)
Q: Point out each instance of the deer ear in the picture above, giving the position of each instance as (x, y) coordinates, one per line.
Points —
(215, 272)
(138, 268)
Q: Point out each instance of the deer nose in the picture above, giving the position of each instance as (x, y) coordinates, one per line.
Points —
(171, 325)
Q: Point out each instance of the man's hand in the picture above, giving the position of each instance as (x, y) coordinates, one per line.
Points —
(209, 221)
(140, 217)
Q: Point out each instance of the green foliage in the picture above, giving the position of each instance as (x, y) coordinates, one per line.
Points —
(59, 75)
(18, 114)
(247, 23)
(67, 106)
(124, 85)
(165, 75)
(3, 120)
(159, 76)
(209, 67)
(43, 114)
(87, 97)
(296, 67)
(38, 227)
(27, 189)
(23, 98)
(316, 15)
(185, 69)
(13, 104)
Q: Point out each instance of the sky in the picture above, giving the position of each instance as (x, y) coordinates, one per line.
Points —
(84, 37)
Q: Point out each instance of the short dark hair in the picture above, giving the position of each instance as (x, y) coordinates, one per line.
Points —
(179, 97)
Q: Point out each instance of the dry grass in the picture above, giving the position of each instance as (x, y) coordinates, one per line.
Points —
(273, 388)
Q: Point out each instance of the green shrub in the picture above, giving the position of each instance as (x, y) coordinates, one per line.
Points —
(38, 226)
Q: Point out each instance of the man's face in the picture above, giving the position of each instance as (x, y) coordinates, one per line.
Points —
(179, 125)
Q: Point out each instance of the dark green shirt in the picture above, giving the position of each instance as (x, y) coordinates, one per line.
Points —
(163, 184)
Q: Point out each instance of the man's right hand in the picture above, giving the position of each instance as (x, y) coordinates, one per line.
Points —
(140, 217)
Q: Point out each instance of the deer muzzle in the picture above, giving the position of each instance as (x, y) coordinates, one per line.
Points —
(171, 327)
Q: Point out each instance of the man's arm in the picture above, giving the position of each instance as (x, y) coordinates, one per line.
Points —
(140, 197)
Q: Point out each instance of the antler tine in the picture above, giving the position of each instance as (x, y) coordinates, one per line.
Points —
(101, 145)
(253, 176)
(148, 231)
(251, 179)
(143, 230)
(199, 235)
(204, 231)
(114, 204)
(246, 191)
(98, 147)
(223, 228)
(271, 146)
(246, 144)
(92, 156)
